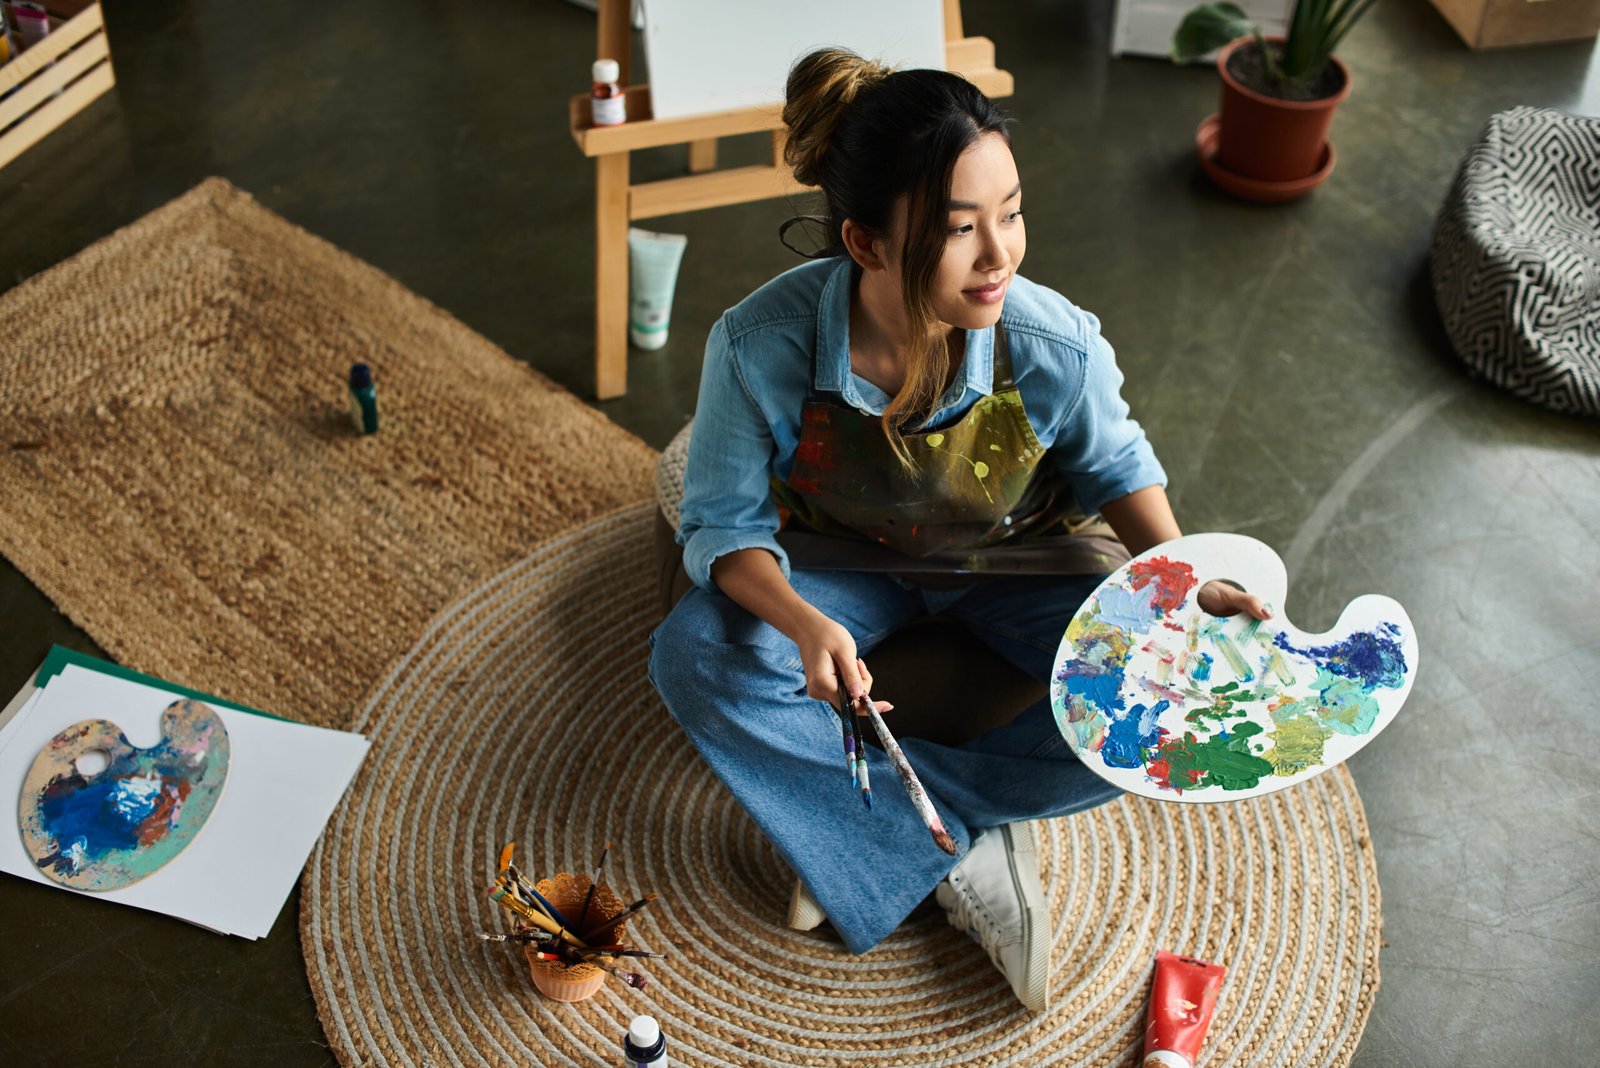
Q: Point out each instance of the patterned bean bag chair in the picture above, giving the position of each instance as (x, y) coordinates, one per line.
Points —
(1515, 261)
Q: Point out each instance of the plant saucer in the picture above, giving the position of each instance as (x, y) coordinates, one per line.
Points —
(1209, 134)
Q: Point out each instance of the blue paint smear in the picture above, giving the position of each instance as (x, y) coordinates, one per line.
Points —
(1372, 659)
(1200, 670)
(1128, 610)
(92, 813)
(1100, 690)
(1131, 734)
(1095, 675)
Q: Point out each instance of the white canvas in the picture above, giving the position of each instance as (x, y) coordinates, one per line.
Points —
(716, 55)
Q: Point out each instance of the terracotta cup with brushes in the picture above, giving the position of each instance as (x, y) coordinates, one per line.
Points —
(575, 982)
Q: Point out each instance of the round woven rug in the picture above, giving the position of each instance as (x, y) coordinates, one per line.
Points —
(524, 713)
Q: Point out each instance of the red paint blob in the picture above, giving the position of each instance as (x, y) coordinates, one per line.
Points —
(1173, 578)
(1161, 772)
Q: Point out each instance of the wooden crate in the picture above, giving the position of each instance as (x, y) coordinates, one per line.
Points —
(55, 79)
(1497, 23)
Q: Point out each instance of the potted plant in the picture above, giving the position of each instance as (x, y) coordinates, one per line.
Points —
(1278, 93)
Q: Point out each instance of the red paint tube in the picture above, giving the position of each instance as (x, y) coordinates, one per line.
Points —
(1182, 999)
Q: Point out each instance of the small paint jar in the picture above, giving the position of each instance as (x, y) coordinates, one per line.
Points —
(575, 982)
(607, 100)
(363, 400)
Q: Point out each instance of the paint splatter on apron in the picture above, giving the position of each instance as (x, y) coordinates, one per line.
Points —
(978, 498)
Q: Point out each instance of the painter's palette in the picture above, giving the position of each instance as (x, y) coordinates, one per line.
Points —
(106, 829)
(1166, 700)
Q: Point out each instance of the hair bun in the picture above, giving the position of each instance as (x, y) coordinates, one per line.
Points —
(821, 86)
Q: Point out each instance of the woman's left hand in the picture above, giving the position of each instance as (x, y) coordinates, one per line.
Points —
(1221, 599)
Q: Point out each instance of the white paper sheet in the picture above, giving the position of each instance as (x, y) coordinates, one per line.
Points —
(17, 711)
(284, 780)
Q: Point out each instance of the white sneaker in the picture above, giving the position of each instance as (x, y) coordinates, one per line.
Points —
(804, 912)
(993, 894)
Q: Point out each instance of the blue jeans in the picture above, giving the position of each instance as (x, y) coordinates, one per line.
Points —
(737, 687)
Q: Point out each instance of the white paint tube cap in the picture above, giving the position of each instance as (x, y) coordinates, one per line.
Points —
(643, 1031)
(647, 340)
(1165, 1058)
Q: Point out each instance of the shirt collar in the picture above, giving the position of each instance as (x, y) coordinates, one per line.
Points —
(833, 373)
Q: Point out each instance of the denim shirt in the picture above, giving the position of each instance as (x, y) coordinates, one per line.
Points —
(758, 373)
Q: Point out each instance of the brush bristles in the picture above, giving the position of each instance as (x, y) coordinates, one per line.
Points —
(943, 840)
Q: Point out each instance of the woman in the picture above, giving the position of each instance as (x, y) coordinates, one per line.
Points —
(907, 403)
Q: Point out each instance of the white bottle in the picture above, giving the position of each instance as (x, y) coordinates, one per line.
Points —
(607, 99)
(645, 1046)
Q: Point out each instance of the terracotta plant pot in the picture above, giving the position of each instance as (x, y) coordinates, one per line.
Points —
(1268, 139)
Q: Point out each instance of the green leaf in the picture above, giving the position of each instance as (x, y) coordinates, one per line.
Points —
(1208, 27)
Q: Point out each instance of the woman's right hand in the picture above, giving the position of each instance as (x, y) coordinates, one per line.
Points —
(834, 674)
(753, 579)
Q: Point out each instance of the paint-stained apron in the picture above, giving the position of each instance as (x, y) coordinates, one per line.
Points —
(977, 500)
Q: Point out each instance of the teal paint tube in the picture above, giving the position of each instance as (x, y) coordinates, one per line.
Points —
(653, 261)
(363, 400)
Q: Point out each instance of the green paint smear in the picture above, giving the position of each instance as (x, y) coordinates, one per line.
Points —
(1227, 763)
(1279, 666)
(1223, 699)
(1235, 659)
(1292, 709)
(1297, 744)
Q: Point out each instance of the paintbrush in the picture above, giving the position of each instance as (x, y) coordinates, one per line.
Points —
(507, 871)
(521, 936)
(849, 743)
(861, 778)
(588, 899)
(528, 891)
(908, 778)
(633, 979)
(607, 925)
(517, 906)
(507, 883)
(522, 888)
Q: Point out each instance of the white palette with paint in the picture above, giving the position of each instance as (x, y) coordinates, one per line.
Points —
(1165, 700)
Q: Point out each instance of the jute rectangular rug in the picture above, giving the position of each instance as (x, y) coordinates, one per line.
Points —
(181, 476)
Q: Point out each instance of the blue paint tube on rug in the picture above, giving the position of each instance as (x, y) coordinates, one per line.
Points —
(653, 261)
(363, 399)
(645, 1046)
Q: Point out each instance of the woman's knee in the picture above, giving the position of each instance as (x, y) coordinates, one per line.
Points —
(672, 651)
(708, 641)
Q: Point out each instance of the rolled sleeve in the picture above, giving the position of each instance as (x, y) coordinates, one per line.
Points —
(727, 498)
(1101, 449)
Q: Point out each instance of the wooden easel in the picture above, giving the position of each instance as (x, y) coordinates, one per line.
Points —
(617, 202)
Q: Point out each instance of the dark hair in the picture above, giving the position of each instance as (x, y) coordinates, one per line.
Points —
(868, 135)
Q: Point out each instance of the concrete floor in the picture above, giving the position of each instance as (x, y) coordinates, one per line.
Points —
(1286, 361)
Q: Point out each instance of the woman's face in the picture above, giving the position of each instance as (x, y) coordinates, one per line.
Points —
(985, 240)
